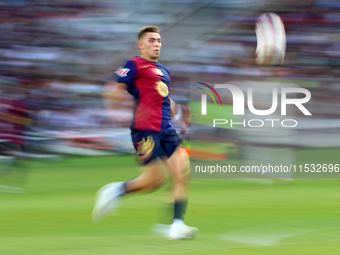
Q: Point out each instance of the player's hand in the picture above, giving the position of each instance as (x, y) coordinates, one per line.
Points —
(185, 120)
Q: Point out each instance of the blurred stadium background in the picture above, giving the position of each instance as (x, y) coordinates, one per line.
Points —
(55, 58)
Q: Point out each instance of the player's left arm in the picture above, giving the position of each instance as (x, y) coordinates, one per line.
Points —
(180, 113)
(173, 107)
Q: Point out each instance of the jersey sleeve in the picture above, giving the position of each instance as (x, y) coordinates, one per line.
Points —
(128, 73)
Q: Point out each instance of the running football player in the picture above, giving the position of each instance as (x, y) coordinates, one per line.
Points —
(153, 134)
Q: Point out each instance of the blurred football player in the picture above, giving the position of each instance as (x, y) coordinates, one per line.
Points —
(14, 118)
(153, 134)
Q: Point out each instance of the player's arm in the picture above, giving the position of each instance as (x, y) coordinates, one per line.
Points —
(173, 107)
(180, 113)
(114, 92)
(120, 91)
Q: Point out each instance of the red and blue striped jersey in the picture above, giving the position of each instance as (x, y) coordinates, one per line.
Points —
(149, 84)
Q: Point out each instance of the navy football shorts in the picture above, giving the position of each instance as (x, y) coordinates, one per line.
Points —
(151, 144)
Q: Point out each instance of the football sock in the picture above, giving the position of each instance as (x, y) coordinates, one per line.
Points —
(122, 190)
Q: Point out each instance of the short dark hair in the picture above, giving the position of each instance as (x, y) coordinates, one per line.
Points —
(149, 29)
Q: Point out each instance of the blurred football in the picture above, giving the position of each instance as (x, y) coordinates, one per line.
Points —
(271, 40)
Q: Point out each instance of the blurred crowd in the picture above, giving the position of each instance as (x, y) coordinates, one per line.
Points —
(57, 55)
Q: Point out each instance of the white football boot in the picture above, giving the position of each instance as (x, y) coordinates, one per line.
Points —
(106, 200)
(179, 231)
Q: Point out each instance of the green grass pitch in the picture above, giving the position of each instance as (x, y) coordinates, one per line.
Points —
(233, 217)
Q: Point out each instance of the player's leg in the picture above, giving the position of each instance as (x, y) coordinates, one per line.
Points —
(152, 177)
(179, 168)
(108, 196)
(168, 210)
(13, 173)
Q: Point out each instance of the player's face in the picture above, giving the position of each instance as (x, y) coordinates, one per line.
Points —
(150, 46)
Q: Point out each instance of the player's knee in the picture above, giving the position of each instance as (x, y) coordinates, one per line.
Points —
(185, 176)
(179, 165)
(182, 175)
(186, 173)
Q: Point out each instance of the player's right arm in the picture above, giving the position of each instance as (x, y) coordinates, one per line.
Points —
(116, 90)
(120, 90)
(113, 94)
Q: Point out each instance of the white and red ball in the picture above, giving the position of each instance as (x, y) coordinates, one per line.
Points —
(271, 40)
